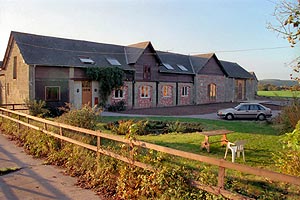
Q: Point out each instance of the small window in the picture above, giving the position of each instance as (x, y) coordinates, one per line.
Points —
(183, 68)
(119, 94)
(86, 60)
(147, 72)
(212, 91)
(168, 66)
(144, 91)
(15, 68)
(113, 61)
(167, 91)
(184, 91)
(52, 93)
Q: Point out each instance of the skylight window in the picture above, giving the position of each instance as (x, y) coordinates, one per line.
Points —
(86, 60)
(168, 66)
(113, 61)
(183, 68)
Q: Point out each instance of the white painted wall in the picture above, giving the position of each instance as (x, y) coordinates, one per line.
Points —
(95, 92)
(77, 94)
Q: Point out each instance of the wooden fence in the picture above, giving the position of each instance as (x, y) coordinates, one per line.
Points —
(220, 163)
(14, 106)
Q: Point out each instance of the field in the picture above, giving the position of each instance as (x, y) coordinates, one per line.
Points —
(282, 93)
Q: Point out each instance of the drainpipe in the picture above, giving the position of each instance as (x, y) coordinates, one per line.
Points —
(133, 92)
(157, 84)
(176, 93)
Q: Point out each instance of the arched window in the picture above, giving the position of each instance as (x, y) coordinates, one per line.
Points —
(145, 91)
(167, 91)
(212, 91)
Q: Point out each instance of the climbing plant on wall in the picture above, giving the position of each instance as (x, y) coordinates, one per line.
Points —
(109, 78)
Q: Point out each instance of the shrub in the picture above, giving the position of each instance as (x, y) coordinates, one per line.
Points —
(122, 127)
(288, 160)
(36, 108)
(290, 116)
(40, 144)
(144, 127)
(86, 117)
(117, 106)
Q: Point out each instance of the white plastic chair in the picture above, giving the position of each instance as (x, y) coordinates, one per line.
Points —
(236, 148)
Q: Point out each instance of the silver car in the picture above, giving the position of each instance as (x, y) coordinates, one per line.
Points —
(246, 110)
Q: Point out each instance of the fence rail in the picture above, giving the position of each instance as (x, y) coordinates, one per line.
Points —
(18, 106)
(220, 163)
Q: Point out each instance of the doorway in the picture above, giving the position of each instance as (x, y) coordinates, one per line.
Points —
(86, 92)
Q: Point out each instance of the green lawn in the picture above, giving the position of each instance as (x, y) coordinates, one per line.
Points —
(285, 93)
(262, 139)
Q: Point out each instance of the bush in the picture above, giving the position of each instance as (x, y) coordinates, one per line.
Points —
(288, 160)
(145, 127)
(290, 116)
(86, 117)
(118, 106)
(36, 108)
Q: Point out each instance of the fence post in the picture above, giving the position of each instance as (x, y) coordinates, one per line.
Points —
(61, 134)
(28, 123)
(98, 148)
(2, 117)
(19, 125)
(221, 177)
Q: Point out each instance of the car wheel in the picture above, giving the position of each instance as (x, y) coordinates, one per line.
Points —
(229, 117)
(261, 117)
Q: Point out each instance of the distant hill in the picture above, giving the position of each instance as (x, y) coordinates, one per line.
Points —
(278, 82)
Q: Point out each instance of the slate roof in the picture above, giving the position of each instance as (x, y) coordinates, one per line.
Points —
(234, 70)
(254, 76)
(199, 61)
(174, 60)
(134, 51)
(53, 51)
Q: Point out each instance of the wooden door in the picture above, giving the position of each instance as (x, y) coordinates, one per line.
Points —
(86, 92)
(240, 91)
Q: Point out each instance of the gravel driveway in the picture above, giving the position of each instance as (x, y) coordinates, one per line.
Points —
(204, 109)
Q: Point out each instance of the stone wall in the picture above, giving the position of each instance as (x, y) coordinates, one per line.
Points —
(127, 90)
(15, 90)
(201, 88)
(145, 102)
(185, 100)
(170, 99)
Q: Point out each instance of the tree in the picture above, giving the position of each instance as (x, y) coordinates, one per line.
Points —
(287, 15)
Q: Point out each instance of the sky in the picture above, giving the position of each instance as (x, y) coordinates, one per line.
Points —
(234, 29)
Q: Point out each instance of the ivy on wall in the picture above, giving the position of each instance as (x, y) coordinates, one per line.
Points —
(109, 78)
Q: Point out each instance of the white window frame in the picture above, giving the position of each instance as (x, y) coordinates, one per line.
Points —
(113, 61)
(168, 66)
(119, 92)
(145, 89)
(212, 91)
(46, 87)
(182, 68)
(168, 91)
(86, 60)
(185, 91)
